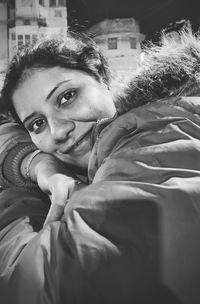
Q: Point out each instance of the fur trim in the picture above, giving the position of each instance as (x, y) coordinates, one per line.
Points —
(169, 69)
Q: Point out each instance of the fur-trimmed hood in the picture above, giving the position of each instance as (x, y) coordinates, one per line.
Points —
(169, 69)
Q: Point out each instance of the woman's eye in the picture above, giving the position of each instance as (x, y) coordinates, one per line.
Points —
(67, 97)
(37, 125)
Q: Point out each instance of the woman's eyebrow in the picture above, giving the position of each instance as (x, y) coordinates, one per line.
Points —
(28, 117)
(55, 88)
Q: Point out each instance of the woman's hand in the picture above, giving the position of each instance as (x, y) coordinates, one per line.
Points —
(53, 178)
(59, 187)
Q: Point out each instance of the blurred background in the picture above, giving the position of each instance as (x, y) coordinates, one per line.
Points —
(120, 27)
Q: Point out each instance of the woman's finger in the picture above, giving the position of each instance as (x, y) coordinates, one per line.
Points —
(55, 213)
(59, 199)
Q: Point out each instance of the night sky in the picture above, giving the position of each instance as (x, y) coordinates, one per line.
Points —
(153, 15)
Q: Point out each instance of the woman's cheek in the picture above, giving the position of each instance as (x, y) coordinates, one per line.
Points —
(42, 142)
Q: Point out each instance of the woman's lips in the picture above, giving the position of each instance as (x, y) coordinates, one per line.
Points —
(78, 144)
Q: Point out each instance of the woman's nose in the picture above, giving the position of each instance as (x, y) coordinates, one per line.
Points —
(60, 130)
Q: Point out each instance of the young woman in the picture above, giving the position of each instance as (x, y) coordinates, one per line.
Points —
(126, 236)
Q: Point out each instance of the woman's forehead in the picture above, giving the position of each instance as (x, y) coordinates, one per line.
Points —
(47, 73)
(36, 83)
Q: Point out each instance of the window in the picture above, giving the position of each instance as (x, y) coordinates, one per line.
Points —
(27, 39)
(20, 40)
(27, 3)
(61, 2)
(58, 13)
(57, 3)
(13, 36)
(112, 43)
(52, 2)
(34, 38)
(27, 22)
(133, 43)
(41, 2)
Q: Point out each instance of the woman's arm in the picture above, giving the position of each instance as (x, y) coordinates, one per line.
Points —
(17, 157)
(15, 146)
(53, 178)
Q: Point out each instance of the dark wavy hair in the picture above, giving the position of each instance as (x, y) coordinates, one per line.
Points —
(77, 51)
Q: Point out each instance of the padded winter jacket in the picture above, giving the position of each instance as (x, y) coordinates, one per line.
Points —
(130, 236)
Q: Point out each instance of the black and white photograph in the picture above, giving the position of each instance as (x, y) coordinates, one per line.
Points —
(99, 152)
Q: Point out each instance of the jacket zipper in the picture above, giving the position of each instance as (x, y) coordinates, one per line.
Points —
(100, 125)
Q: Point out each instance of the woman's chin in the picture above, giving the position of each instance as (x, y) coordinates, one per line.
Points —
(75, 161)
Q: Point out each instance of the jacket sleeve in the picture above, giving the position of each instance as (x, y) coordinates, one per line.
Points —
(103, 250)
(107, 248)
(15, 145)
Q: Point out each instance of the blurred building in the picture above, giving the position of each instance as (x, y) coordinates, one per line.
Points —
(33, 19)
(120, 40)
(3, 37)
(24, 21)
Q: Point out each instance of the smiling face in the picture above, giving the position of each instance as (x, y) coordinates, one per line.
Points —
(59, 107)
